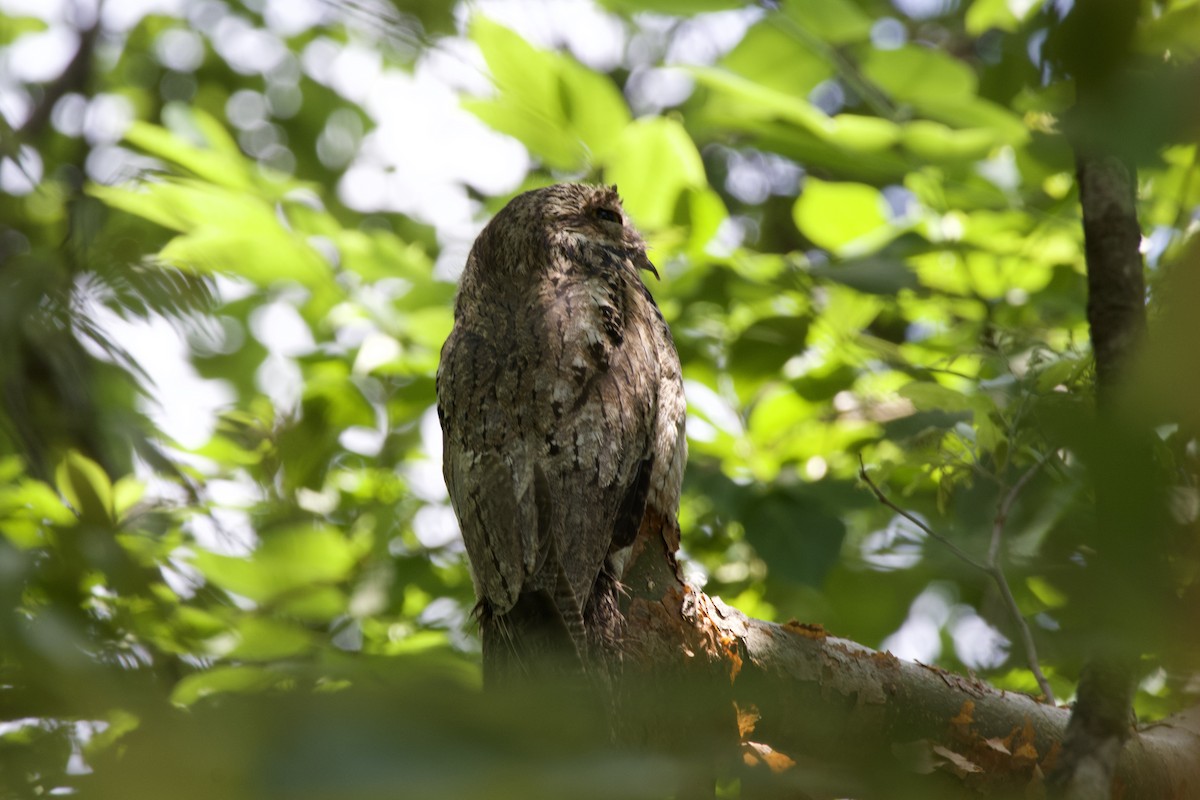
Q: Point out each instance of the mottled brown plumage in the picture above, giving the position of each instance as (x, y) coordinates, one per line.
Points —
(562, 409)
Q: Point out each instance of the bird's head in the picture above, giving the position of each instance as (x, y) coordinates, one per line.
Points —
(570, 220)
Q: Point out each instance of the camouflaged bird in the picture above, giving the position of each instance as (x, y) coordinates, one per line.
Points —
(562, 409)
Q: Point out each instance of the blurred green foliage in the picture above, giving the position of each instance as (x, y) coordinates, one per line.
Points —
(867, 225)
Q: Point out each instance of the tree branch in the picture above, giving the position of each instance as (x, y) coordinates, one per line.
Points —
(878, 726)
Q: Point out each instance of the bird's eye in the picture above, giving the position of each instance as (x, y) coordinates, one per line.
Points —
(608, 215)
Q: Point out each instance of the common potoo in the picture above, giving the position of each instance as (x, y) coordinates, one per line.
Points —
(562, 409)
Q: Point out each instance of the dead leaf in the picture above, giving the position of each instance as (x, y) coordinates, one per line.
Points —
(960, 764)
(997, 745)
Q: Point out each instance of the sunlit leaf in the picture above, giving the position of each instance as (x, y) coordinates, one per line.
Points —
(933, 141)
(563, 112)
(773, 56)
(842, 217)
(220, 163)
(220, 680)
(914, 73)
(987, 14)
(263, 639)
(672, 6)
(286, 560)
(13, 28)
(87, 488)
(652, 164)
(835, 21)
(1177, 31)
(929, 396)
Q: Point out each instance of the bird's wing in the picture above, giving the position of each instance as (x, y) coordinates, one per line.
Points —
(494, 498)
(597, 468)
(489, 474)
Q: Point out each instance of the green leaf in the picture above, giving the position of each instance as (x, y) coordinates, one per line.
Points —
(933, 141)
(34, 501)
(1047, 594)
(771, 56)
(653, 162)
(834, 21)
(767, 344)
(86, 486)
(706, 213)
(563, 112)
(922, 424)
(286, 560)
(222, 680)
(984, 15)
(844, 218)
(795, 535)
(864, 134)
(1063, 370)
(1176, 31)
(221, 163)
(320, 604)
(378, 254)
(914, 74)
(264, 639)
(928, 396)
(223, 231)
(264, 260)
(329, 382)
(673, 7)
(883, 276)
(13, 28)
(127, 492)
(763, 102)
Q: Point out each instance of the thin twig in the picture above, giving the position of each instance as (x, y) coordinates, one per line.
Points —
(992, 568)
(1031, 658)
(1006, 505)
(930, 532)
(997, 572)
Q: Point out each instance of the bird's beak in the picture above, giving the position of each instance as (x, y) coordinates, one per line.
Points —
(645, 263)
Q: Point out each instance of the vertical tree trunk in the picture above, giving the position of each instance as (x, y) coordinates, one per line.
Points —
(1093, 48)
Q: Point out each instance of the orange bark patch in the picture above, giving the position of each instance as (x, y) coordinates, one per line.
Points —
(755, 753)
(712, 631)
(1014, 754)
(747, 717)
(1021, 744)
(885, 658)
(961, 724)
(809, 630)
(733, 655)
